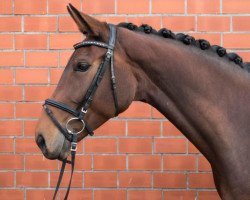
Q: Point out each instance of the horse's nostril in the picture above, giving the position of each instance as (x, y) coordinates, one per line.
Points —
(40, 142)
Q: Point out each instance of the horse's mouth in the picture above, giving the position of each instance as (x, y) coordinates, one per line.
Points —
(61, 153)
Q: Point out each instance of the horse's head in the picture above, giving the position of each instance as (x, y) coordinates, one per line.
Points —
(79, 88)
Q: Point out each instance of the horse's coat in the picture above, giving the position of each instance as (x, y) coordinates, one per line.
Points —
(205, 96)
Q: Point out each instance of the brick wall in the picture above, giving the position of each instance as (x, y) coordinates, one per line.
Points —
(138, 155)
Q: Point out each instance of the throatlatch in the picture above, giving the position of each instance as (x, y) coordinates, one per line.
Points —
(69, 133)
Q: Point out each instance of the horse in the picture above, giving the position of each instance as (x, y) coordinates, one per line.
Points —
(200, 88)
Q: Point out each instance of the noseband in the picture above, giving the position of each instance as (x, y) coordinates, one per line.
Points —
(78, 115)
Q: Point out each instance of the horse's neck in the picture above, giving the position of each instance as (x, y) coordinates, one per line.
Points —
(205, 97)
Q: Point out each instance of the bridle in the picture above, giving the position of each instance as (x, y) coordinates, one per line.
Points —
(78, 115)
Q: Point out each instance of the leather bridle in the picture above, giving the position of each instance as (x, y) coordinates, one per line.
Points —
(78, 115)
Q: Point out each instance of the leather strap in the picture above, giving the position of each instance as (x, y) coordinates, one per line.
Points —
(56, 123)
(90, 43)
(112, 71)
(64, 162)
(100, 72)
(62, 106)
(88, 99)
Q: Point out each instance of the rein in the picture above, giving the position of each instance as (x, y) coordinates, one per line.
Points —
(78, 115)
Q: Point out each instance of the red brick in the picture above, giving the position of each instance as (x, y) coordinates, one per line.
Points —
(170, 145)
(167, 6)
(204, 195)
(6, 144)
(200, 181)
(170, 130)
(135, 145)
(155, 22)
(64, 57)
(144, 162)
(32, 179)
(240, 23)
(78, 194)
(6, 76)
(100, 145)
(42, 194)
(6, 179)
(67, 24)
(132, 7)
(39, 162)
(111, 19)
(236, 41)
(156, 114)
(231, 6)
(6, 41)
(204, 165)
(212, 38)
(9, 24)
(10, 128)
(203, 7)
(46, 194)
(38, 93)
(31, 41)
(26, 145)
(76, 180)
(83, 162)
(179, 23)
(31, 76)
(245, 55)
(100, 179)
(55, 75)
(12, 194)
(60, 6)
(135, 179)
(23, 110)
(99, 7)
(6, 110)
(29, 127)
(112, 128)
(108, 194)
(64, 41)
(180, 195)
(137, 110)
(6, 6)
(169, 180)
(213, 23)
(11, 162)
(11, 59)
(144, 194)
(10, 93)
(30, 7)
(143, 128)
(40, 24)
(186, 163)
(192, 149)
(109, 162)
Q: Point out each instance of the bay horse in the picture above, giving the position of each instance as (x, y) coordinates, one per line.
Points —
(203, 90)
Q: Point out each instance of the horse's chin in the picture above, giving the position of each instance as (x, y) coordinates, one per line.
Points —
(64, 151)
(61, 151)
(60, 155)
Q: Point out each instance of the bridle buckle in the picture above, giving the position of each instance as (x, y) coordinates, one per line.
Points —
(84, 111)
(109, 54)
(73, 146)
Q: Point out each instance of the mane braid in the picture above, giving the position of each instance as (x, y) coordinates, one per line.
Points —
(188, 40)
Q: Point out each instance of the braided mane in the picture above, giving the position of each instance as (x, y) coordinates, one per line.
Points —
(189, 40)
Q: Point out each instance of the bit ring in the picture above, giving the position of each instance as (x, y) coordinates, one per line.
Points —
(75, 119)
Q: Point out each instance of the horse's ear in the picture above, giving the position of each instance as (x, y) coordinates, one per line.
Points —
(86, 24)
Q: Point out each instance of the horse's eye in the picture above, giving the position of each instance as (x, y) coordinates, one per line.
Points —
(82, 67)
